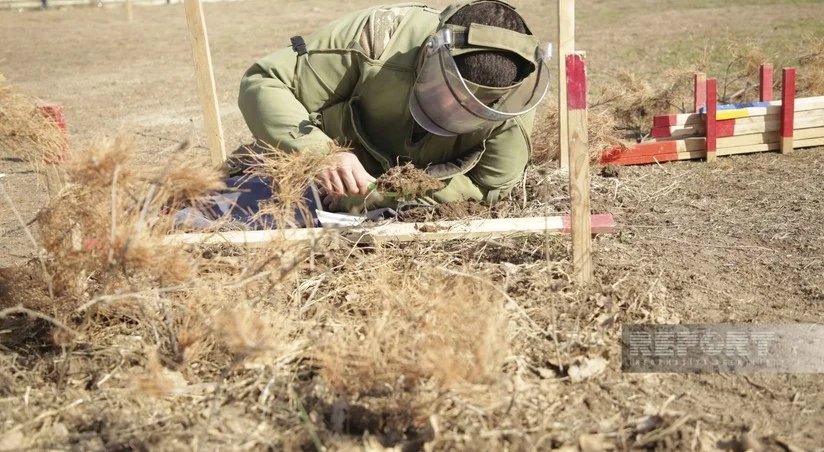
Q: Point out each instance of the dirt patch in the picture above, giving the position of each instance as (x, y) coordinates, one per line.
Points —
(407, 181)
(449, 211)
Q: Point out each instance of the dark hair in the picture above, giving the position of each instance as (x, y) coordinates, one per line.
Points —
(495, 68)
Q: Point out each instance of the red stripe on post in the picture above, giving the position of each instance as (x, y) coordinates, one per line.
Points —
(700, 91)
(725, 128)
(787, 102)
(711, 124)
(787, 109)
(602, 223)
(576, 82)
(665, 120)
(661, 132)
(766, 82)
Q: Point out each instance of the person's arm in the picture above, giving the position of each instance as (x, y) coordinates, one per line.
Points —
(279, 92)
(500, 169)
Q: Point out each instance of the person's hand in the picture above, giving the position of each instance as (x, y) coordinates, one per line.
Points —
(346, 177)
(332, 203)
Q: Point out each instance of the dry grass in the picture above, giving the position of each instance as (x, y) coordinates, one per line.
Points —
(289, 175)
(24, 131)
(811, 67)
(601, 128)
(330, 347)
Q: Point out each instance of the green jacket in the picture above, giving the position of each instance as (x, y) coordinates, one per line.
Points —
(352, 86)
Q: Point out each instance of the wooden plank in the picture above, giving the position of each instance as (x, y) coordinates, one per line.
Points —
(657, 148)
(678, 150)
(205, 79)
(711, 118)
(787, 109)
(699, 91)
(400, 232)
(742, 126)
(566, 45)
(801, 104)
(579, 179)
(766, 83)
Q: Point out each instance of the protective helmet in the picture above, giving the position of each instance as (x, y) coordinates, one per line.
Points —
(443, 103)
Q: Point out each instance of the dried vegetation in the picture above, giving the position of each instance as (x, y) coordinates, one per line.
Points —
(419, 346)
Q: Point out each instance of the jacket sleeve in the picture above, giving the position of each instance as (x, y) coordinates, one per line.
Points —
(500, 168)
(279, 94)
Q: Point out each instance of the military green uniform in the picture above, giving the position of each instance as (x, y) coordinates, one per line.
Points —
(352, 84)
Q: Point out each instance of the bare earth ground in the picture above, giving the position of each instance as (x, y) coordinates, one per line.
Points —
(740, 240)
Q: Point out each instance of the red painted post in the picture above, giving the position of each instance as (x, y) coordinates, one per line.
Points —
(579, 180)
(57, 115)
(711, 126)
(766, 94)
(700, 91)
(787, 109)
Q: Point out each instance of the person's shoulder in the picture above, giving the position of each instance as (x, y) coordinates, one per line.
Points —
(384, 20)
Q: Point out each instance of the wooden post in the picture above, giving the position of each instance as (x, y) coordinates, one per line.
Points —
(787, 109)
(129, 10)
(700, 91)
(766, 83)
(566, 45)
(579, 180)
(711, 127)
(205, 79)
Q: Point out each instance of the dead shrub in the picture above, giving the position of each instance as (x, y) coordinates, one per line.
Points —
(289, 174)
(601, 130)
(24, 131)
(409, 324)
(105, 228)
(811, 68)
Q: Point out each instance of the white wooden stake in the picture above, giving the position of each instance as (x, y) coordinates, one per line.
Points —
(566, 45)
(205, 79)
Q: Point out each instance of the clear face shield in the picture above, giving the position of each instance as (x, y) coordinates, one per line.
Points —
(443, 103)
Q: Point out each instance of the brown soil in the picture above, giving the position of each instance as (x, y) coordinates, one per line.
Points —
(407, 181)
(450, 211)
(470, 345)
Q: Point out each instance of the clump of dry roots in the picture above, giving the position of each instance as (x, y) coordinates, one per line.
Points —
(407, 181)
(26, 132)
(104, 231)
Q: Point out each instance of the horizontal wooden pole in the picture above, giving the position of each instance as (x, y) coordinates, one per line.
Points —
(742, 126)
(679, 150)
(801, 104)
(400, 232)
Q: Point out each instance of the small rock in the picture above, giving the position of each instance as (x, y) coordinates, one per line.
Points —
(611, 170)
(586, 368)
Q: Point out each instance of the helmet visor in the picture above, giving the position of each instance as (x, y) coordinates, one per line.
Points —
(443, 103)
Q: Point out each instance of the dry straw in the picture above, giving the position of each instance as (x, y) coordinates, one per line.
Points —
(24, 131)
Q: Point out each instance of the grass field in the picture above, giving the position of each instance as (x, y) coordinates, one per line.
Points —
(476, 345)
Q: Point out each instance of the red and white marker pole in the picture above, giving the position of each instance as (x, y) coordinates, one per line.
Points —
(579, 180)
(711, 120)
(699, 91)
(766, 91)
(787, 109)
